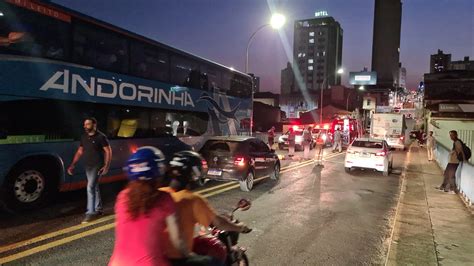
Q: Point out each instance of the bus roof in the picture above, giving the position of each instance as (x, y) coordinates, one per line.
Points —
(110, 26)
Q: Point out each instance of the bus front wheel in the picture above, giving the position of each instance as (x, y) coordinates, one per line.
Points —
(29, 185)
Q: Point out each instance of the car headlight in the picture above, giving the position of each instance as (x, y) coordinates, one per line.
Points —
(324, 137)
(299, 139)
(280, 139)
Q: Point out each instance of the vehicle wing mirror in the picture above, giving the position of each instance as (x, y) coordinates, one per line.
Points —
(244, 204)
(272, 150)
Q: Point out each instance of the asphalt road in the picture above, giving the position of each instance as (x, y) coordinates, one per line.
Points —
(312, 216)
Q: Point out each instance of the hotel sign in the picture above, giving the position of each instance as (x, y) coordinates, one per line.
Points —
(321, 14)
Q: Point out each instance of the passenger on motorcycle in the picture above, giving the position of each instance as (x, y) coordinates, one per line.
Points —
(143, 212)
(185, 168)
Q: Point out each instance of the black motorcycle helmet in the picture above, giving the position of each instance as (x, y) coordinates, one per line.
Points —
(186, 167)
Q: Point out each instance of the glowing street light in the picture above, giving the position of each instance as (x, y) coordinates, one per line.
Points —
(277, 21)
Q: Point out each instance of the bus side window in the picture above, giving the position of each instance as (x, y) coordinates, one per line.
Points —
(128, 123)
(183, 71)
(24, 32)
(100, 48)
(149, 62)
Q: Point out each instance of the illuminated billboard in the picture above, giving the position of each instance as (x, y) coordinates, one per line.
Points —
(363, 78)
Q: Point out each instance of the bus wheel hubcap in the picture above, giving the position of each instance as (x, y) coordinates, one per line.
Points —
(28, 186)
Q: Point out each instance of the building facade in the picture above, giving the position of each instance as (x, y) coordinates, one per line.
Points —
(439, 62)
(317, 52)
(256, 82)
(386, 42)
(287, 80)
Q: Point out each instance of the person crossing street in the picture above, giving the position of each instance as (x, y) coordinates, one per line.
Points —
(337, 140)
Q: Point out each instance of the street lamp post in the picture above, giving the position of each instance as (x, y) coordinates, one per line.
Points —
(339, 71)
(276, 22)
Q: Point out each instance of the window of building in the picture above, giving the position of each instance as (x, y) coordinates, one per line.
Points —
(321, 40)
(309, 86)
(149, 62)
(320, 33)
(310, 61)
(311, 40)
(29, 33)
(310, 67)
(311, 34)
(100, 48)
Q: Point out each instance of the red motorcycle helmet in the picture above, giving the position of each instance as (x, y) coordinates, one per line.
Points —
(209, 245)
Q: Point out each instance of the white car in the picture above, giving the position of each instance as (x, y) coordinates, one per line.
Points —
(369, 153)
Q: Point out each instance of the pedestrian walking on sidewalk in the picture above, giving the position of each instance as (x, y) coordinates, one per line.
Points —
(337, 140)
(449, 182)
(319, 149)
(271, 137)
(306, 142)
(97, 153)
(291, 143)
(430, 145)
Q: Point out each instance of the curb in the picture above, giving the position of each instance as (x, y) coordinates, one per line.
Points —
(401, 194)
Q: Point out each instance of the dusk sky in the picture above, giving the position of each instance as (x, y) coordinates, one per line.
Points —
(219, 30)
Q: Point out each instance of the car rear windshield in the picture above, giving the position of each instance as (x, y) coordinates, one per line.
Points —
(222, 146)
(367, 144)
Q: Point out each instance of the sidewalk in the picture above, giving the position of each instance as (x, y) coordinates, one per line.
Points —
(431, 227)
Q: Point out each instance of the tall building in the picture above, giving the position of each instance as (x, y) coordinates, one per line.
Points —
(439, 62)
(317, 51)
(256, 82)
(402, 77)
(386, 42)
(287, 80)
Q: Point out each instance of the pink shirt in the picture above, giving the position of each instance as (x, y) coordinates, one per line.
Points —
(140, 241)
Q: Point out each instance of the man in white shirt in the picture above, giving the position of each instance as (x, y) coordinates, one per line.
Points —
(430, 145)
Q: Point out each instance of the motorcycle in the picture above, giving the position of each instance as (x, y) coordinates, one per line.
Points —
(223, 245)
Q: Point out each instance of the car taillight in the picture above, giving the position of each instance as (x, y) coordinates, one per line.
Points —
(402, 137)
(239, 161)
(382, 153)
(204, 164)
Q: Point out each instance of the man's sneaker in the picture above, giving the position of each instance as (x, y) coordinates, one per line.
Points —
(89, 218)
(450, 192)
(99, 213)
(439, 188)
